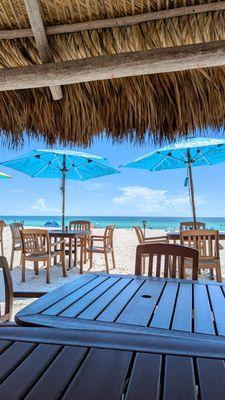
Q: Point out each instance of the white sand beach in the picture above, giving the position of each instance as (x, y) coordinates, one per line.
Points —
(125, 243)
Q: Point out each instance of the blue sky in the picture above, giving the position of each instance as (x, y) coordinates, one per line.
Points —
(131, 193)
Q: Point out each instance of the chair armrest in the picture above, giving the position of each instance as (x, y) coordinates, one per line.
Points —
(97, 238)
(155, 238)
(55, 244)
(29, 295)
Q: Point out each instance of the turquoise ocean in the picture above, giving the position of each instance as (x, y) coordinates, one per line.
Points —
(167, 223)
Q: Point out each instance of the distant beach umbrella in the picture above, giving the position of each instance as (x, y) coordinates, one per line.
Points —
(61, 164)
(4, 176)
(193, 152)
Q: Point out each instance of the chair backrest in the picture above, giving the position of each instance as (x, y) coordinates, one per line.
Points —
(35, 241)
(2, 224)
(168, 260)
(80, 225)
(140, 234)
(108, 235)
(204, 240)
(15, 230)
(8, 290)
(186, 226)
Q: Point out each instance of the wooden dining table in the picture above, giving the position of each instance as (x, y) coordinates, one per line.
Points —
(71, 236)
(54, 364)
(131, 303)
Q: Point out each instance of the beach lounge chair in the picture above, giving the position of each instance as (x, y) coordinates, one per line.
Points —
(102, 244)
(16, 240)
(207, 243)
(37, 247)
(168, 259)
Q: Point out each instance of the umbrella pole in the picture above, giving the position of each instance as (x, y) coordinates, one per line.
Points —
(191, 185)
(63, 191)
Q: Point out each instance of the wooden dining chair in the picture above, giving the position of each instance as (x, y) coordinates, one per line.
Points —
(8, 285)
(37, 247)
(81, 225)
(102, 244)
(166, 260)
(207, 243)
(16, 240)
(2, 225)
(143, 239)
(186, 226)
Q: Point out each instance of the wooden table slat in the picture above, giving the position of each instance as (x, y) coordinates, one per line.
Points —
(4, 344)
(99, 305)
(80, 305)
(67, 301)
(56, 295)
(182, 320)
(218, 305)
(145, 378)
(175, 386)
(164, 311)
(211, 378)
(113, 310)
(110, 369)
(26, 374)
(13, 356)
(140, 308)
(58, 375)
(203, 322)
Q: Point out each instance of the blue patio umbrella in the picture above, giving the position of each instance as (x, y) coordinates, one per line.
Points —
(61, 164)
(193, 152)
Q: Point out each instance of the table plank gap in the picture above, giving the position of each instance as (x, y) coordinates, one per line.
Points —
(28, 372)
(164, 310)
(175, 386)
(203, 322)
(140, 308)
(182, 318)
(63, 304)
(58, 375)
(211, 375)
(82, 304)
(144, 381)
(217, 301)
(116, 307)
(99, 305)
(94, 386)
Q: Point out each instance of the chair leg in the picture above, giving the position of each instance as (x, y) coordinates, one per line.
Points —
(82, 258)
(106, 262)
(113, 259)
(36, 270)
(11, 259)
(91, 259)
(218, 274)
(2, 248)
(63, 261)
(23, 268)
(48, 270)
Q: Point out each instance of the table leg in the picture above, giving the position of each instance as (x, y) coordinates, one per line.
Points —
(75, 251)
(70, 252)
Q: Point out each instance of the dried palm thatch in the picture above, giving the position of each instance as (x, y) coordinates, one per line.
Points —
(161, 106)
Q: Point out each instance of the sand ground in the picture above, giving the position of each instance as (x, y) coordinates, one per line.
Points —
(125, 243)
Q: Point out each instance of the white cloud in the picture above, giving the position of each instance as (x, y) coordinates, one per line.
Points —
(143, 200)
(40, 205)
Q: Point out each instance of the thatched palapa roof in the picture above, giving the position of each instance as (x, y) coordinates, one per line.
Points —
(163, 105)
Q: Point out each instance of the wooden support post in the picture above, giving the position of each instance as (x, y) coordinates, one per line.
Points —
(34, 14)
(163, 60)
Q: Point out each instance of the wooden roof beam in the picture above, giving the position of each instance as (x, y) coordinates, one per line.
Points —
(163, 60)
(116, 22)
(38, 29)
